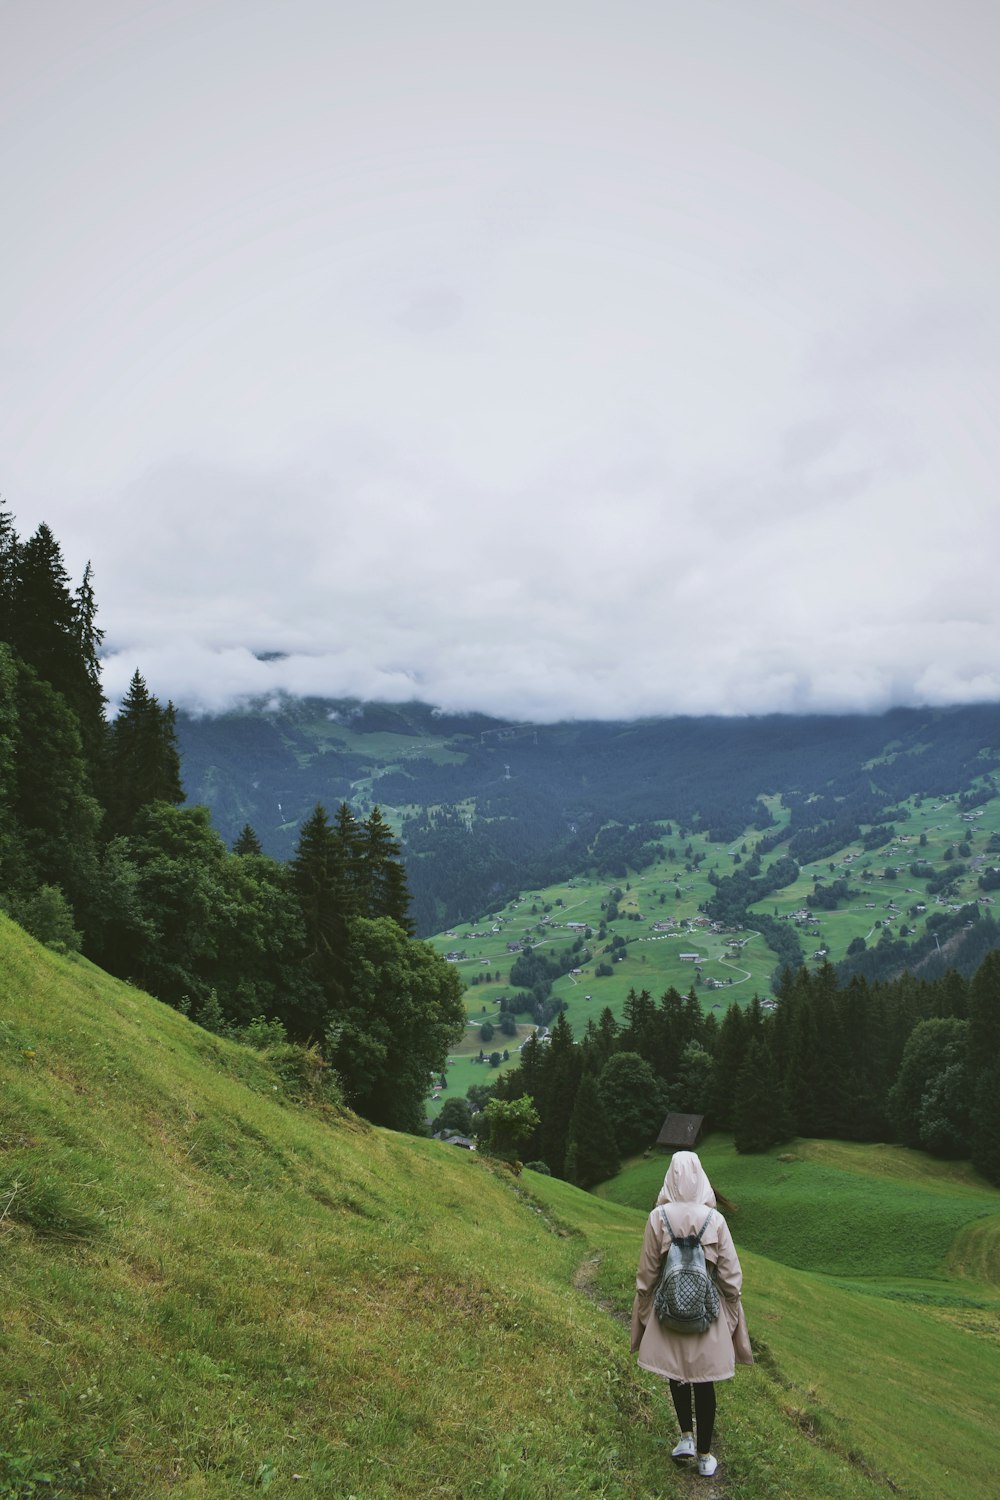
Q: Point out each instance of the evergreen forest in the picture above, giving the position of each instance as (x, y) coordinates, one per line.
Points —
(99, 854)
(912, 1061)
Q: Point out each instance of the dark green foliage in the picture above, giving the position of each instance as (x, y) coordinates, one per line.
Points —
(632, 1097)
(323, 888)
(984, 1066)
(48, 916)
(560, 1080)
(384, 882)
(247, 841)
(179, 858)
(928, 1104)
(730, 1051)
(8, 574)
(508, 1124)
(143, 760)
(55, 633)
(828, 896)
(761, 1118)
(455, 1116)
(691, 1092)
(591, 1151)
(392, 1027)
(56, 815)
(985, 1123)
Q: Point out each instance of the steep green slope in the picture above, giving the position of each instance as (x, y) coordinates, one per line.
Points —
(210, 1290)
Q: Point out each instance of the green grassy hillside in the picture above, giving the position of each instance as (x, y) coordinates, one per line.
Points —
(213, 1290)
(889, 1327)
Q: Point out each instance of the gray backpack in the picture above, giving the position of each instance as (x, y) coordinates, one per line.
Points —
(686, 1298)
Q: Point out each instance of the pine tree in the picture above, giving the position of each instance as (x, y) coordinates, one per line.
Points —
(558, 1093)
(760, 1117)
(639, 1025)
(348, 869)
(247, 842)
(44, 626)
(88, 639)
(385, 878)
(143, 759)
(56, 816)
(730, 1056)
(49, 632)
(395, 897)
(315, 882)
(9, 550)
(591, 1151)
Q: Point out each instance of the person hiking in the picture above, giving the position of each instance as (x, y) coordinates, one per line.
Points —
(691, 1362)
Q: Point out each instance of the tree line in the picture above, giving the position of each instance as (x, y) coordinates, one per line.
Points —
(98, 855)
(912, 1060)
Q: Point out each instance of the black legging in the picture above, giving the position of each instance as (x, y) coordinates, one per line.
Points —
(704, 1409)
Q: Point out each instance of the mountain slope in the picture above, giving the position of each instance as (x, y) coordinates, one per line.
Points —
(486, 808)
(211, 1290)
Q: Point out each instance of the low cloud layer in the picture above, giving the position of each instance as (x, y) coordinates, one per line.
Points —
(656, 373)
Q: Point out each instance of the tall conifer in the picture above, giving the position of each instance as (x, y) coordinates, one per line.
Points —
(247, 841)
(591, 1151)
(560, 1082)
(143, 759)
(9, 547)
(385, 877)
(314, 880)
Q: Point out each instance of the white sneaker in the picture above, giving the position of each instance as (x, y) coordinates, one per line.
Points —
(707, 1465)
(685, 1448)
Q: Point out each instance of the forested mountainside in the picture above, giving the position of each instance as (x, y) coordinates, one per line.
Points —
(485, 807)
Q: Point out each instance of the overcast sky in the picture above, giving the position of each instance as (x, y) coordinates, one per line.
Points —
(554, 358)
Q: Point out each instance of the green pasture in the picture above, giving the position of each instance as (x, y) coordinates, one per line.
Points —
(653, 959)
(872, 1289)
(387, 751)
(944, 828)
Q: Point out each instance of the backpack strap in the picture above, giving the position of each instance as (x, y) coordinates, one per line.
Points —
(663, 1215)
(701, 1231)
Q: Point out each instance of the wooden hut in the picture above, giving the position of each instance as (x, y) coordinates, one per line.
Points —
(681, 1132)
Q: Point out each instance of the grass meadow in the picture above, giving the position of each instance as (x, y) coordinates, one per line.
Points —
(212, 1290)
(873, 1292)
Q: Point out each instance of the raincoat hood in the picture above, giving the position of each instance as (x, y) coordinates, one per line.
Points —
(686, 1182)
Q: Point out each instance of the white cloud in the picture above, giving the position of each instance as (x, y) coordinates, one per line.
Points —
(555, 361)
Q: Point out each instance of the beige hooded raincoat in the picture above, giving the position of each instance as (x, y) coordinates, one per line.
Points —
(687, 1195)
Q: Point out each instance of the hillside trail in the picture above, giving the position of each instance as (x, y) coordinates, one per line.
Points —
(685, 1481)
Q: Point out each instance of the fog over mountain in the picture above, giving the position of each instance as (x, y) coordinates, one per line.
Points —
(551, 360)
